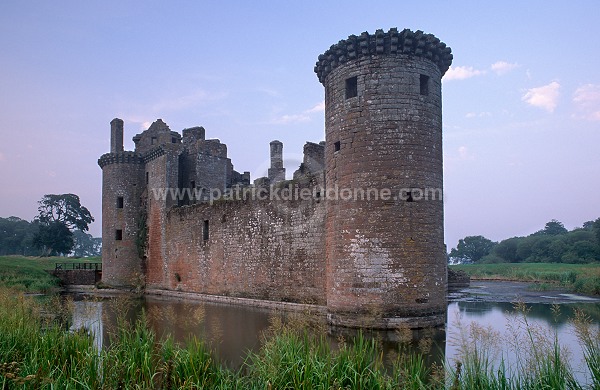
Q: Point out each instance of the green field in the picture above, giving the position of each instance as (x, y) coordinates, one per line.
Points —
(582, 278)
(29, 273)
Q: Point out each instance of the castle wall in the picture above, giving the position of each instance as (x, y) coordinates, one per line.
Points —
(162, 174)
(272, 250)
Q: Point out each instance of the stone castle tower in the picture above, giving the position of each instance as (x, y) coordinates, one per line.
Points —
(122, 183)
(367, 245)
(383, 125)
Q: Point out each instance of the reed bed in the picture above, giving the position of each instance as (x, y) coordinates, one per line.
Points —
(37, 351)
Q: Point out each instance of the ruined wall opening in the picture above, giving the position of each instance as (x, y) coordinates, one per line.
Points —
(424, 84)
(351, 87)
(336, 146)
(118, 235)
(120, 202)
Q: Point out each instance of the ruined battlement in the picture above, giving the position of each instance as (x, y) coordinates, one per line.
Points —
(120, 158)
(406, 42)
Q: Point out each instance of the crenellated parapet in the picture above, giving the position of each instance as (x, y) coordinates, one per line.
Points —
(392, 42)
(120, 158)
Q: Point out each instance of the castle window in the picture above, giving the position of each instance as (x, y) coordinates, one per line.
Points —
(192, 184)
(424, 84)
(336, 146)
(119, 202)
(351, 87)
(118, 235)
(153, 141)
(173, 140)
(205, 231)
(147, 177)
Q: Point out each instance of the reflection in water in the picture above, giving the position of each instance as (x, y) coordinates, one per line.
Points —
(232, 331)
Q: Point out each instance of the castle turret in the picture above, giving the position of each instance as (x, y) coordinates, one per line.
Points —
(122, 183)
(385, 255)
(277, 171)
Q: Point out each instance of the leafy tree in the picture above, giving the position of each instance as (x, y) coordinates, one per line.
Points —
(472, 248)
(596, 227)
(54, 239)
(507, 249)
(58, 216)
(554, 228)
(65, 208)
(86, 245)
(16, 237)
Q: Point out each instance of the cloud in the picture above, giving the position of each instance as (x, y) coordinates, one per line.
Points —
(462, 73)
(503, 67)
(464, 154)
(478, 115)
(183, 102)
(545, 97)
(304, 116)
(587, 102)
(288, 119)
(320, 107)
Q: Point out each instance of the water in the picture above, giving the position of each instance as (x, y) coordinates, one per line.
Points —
(232, 331)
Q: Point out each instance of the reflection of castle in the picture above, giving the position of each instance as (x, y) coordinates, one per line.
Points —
(374, 257)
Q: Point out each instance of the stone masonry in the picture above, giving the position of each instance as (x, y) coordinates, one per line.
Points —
(176, 216)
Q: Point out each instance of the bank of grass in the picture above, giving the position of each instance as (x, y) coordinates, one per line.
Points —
(581, 278)
(37, 352)
(29, 273)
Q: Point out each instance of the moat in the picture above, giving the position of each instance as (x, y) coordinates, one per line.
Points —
(232, 331)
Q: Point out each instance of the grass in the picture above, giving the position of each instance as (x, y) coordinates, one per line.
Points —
(581, 278)
(37, 352)
(29, 273)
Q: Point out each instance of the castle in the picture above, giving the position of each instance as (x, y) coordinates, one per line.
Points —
(358, 232)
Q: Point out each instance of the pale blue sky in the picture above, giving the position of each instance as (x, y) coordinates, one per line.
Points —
(521, 102)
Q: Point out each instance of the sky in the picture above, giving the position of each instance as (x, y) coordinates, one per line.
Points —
(521, 102)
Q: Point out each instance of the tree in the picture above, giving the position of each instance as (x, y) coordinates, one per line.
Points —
(54, 239)
(16, 237)
(58, 216)
(507, 249)
(85, 244)
(65, 208)
(472, 248)
(554, 228)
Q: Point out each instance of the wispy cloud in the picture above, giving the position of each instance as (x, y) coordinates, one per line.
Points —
(503, 67)
(464, 154)
(183, 102)
(320, 107)
(462, 73)
(304, 116)
(545, 97)
(288, 119)
(478, 114)
(587, 102)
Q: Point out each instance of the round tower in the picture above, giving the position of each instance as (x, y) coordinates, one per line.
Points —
(122, 183)
(385, 253)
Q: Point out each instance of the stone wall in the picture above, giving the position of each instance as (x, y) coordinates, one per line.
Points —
(272, 250)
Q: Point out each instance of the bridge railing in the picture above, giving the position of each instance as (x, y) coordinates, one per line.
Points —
(72, 266)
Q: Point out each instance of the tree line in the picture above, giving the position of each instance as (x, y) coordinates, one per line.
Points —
(553, 244)
(59, 229)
